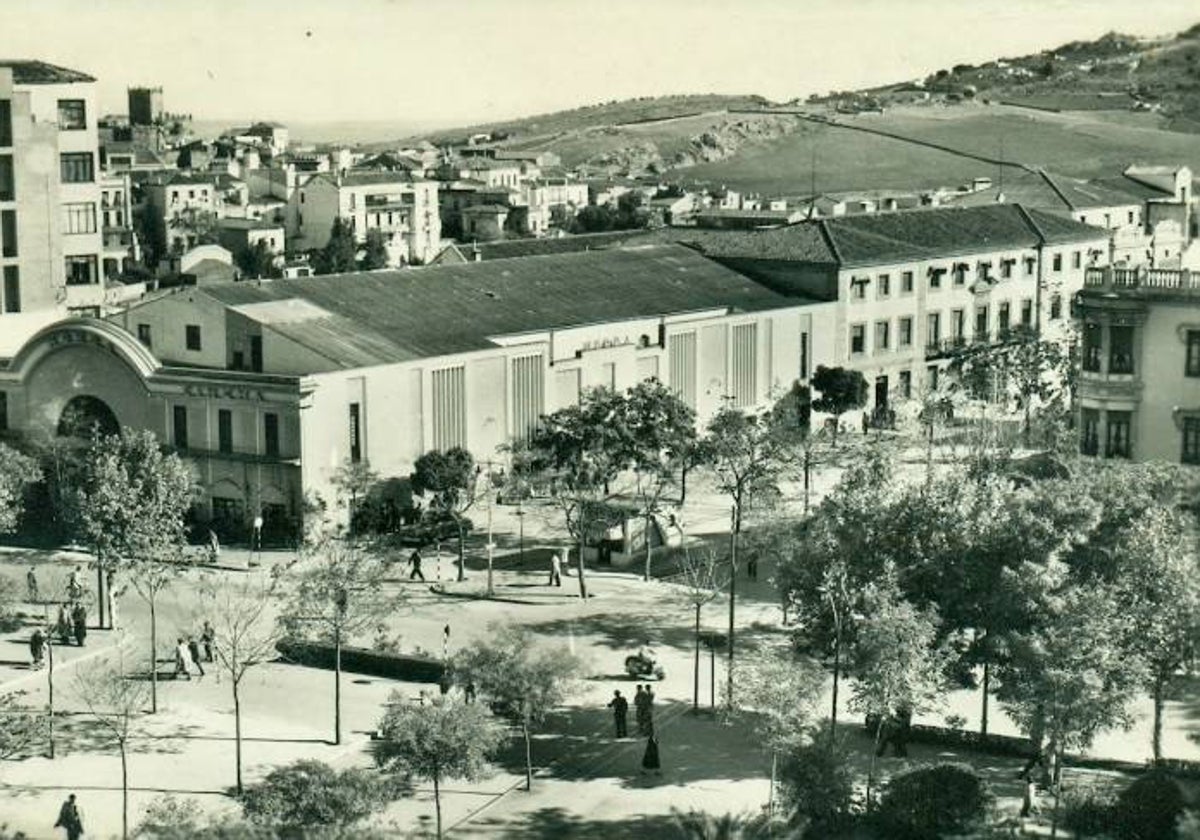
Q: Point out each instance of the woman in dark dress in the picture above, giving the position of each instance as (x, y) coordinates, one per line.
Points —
(650, 762)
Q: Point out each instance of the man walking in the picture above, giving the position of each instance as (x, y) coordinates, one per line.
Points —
(415, 562)
(182, 659)
(69, 819)
(79, 623)
(31, 584)
(620, 707)
(555, 570)
(207, 637)
(194, 653)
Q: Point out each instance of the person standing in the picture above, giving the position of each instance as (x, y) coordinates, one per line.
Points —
(207, 637)
(555, 570)
(74, 585)
(469, 691)
(194, 654)
(31, 583)
(651, 762)
(79, 623)
(63, 626)
(37, 648)
(641, 711)
(257, 535)
(620, 707)
(69, 819)
(182, 657)
(649, 710)
(415, 562)
(752, 566)
(214, 547)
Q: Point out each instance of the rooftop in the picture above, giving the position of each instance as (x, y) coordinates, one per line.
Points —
(382, 317)
(367, 178)
(43, 73)
(248, 224)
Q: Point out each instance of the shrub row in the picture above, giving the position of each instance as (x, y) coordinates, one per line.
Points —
(395, 666)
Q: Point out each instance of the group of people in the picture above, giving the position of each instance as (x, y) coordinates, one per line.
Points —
(643, 704)
(188, 652)
(70, 625)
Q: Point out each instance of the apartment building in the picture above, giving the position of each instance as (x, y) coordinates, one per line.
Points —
(121, 248)
(402, 206)
(909, 288)
(183, 206)
(1139, 379)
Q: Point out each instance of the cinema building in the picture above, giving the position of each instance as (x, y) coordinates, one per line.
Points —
(269, 387)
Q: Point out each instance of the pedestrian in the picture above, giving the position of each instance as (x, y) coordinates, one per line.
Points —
(110, 594)
(620, 707)
(37, 648)
(74, 585)
(641, 711)
(79, 623)
(207, 637)
(214, 547)
(752, 567)
(194, 653)
(555, 570)
(650, 759)
(649, 709)
(469, 691)
(182, 657)
(866, 423)
(415, 562)
(256, 542)
(69, 819)
(444, 683)
(31, 584)
(63, 626)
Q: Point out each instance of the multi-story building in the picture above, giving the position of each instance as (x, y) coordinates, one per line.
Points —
(49, 192)
(913, 286)
(183, 207)
(268, 388)
(404, 208)
(116, 223)
(145, 105)
(1139, 379)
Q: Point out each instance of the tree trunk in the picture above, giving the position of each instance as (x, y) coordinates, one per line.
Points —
(683, 474)
(874, 757)
(771, 792)
(99, 594)
(462, 549)
(437, 803)
(1156, 732)
(237, 735)
(583, 593)
(807, 478)
(153, 659)
(649, 553)
(50, 694)
(837, 676)
(696, 675)
(837, 421)
(929, 453)
(528, 754)
(1027, 428)
(337, 684)
(733, 528)
(1057, 795)
(124, 792)
(987, 686)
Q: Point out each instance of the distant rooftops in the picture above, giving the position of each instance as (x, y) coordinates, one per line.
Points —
(43, 73)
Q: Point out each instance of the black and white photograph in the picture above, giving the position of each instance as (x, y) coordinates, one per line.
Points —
(577, 420)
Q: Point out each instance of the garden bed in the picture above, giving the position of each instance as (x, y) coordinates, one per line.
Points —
(375, 663)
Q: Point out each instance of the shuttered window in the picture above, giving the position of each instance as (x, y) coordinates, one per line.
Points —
(681, 348)
(744, 367)
(528, 395)
(449, 408)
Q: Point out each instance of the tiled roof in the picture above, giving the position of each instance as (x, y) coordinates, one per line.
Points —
(360, 178)
(562, 244)
(394, 316)
(42, 73)
(793, 243)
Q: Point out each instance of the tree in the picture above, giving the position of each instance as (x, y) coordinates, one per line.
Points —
(132, 499)
(439, 740)
(257, 260)
(375, 253)
(702, 581)
(114, 700)
(352, 482)
(517, 674)
(339, 591)
(699, 825)
(309, 794)
(22, 727)
(245, 636)
(449, 480)
(841, 390)
(18, 473)
(779, 695)
(150, 575)
(660, 431)
(896, 669)
(340, 252)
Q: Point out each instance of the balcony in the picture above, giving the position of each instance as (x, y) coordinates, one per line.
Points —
(1143, 282)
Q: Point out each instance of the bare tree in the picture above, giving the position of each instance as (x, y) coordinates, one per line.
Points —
(149, 576)
(703, 581)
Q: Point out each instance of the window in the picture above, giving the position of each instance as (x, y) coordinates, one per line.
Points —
(5, 122)
(72, 115)
(76, 168)
(858, 338)
(858, 288)
(192, 336)
(1055, 307)
(931, 377)
(179, 426)
(1076, 259)
(1027, 313)
(225, 430)
(1120, 349)
(1004, 316)
(1030, 266)
(82, 271)
(906, 282)
(355, 432)
(271, 434)
(79, 217)
(143, 331)
(905, 384)
(904, 336)
(743, 372)
(981, 323)
(681, 352)
(449, 397)
(1089, 431)
(885, 285)
(883, 335)
(12, 289)
(8, 233)
(1092, 347)
(1006, 269)
(1192, 365)
(934, 328)
(1056, 262)
(1191, 439)
(958, 323)
(960, 274)
(7, 184)
(1130, 217)
(985, 270)
(935, 277)
(1118, 443)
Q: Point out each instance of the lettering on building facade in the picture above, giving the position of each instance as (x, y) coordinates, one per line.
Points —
(224, 392)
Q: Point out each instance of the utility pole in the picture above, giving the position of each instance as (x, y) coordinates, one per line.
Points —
(733, 521)
(491, 546)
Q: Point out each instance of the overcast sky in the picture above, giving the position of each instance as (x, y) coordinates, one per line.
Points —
(457, 61)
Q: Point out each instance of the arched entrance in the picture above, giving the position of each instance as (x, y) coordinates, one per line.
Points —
(86, 415)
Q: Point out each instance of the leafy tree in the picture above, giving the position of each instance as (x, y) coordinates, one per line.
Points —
(896, 666)
(439, 740)
(937, 801)
(338, 591)
(448, 478)
(309, 794)
(517, 674)
(340, 253)
(352, 483)
(132, 500)
(245, 637)
(257, 261)
(375, 254)
(841, 390)
(18, 473)
(815, 784)
(114, 701)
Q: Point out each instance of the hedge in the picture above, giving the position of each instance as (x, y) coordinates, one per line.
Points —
(395, 666)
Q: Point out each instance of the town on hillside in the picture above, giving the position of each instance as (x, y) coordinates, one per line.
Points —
(473, 485)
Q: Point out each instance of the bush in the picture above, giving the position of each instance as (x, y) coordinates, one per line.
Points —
(1086, 811)
(10, 596)
(928, 802)
(815, 785)
(310, 793)
(1149, 808)
(411, 667)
